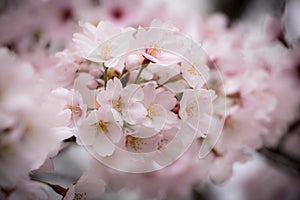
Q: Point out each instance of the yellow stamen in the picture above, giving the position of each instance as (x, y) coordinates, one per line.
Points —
(152, 111)
(153, 50)
(191, 110)
(118, 105)
(102, 127)
(105, 52)
(193, 71)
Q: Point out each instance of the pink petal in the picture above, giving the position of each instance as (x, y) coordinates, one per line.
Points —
(103, 146)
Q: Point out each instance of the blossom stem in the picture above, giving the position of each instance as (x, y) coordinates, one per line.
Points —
(281, 159)
(171, 80)
(57, 188)
(105, 75)
(216, 153)
(140, 72)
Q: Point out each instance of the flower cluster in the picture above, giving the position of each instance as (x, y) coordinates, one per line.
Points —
(146, 95)
(127, 93)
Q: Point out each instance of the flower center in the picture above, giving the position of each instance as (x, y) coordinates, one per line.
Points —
(118, 105)
(80, 196)
(134, 143)
(192, 70)
(152, 111)
(153, 49)
(105, 52)
(102, 127)
(191, 109)
(76, 111)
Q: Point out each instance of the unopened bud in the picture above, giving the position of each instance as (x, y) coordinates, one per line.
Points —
(92, 84)
(133, 62)
(97, 73)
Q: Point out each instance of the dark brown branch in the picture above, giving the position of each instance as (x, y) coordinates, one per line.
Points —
(281, 159)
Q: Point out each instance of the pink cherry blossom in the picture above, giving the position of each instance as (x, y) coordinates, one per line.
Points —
(124, 103)
(88, 186)
(156, 42)
(159, 117)
(100, 131)
(94, 43)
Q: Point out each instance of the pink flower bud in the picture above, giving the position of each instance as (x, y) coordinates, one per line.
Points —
(92, 84)
(96, 73)
(133, 61)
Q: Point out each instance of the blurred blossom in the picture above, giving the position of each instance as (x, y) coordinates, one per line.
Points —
(28, 135)
(291, 21)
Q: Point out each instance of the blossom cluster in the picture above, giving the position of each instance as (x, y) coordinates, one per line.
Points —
(148, 99)
(156, 107)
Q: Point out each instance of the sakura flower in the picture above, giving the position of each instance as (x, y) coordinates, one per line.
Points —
(94, 43)
(196, 108)
(66, 68)
(72, 104)
(88, 186)
(157, 42)
(194, 70)
(100, 131)
(124, 103)
(159, 106)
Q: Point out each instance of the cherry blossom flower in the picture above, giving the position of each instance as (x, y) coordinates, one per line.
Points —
(100, 131)
(155, 43)
(159, 116)
(94, 43)
(124, 103)
(88, 186)
(196, 109)
(72, 105)
(66, 68)
(196, 74)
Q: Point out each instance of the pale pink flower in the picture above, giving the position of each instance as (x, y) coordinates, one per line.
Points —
(95, 42)
(124, 103)
(72, 105)
(65, 70)
(100, 131)
(196, 109)
(88, 186)
(157, 40)
(159, 116)
(194, 70)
